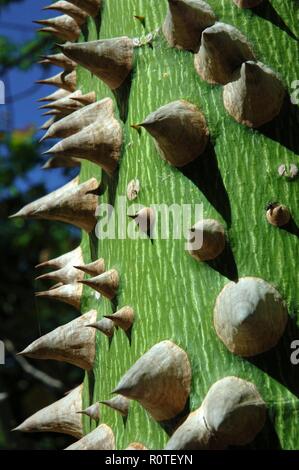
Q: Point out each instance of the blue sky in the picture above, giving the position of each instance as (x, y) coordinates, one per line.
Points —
(16, 23)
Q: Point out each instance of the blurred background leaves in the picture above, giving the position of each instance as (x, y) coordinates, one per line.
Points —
(26, 386)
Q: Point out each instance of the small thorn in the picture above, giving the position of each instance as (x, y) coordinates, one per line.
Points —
(14, 216)
(41, 277)
(44, 106)
(106, 284)
(104, 325)
(49, 113)
(15, 429)
(41, 265)
(118, 403)
(123, 318)
(92, 411)
(137, 128)
(59, 46)
(40, 294)
(141, 19)
(94, 269)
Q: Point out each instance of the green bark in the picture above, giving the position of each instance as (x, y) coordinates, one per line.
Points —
(174, 295)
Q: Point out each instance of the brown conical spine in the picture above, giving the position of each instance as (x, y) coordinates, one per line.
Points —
(63, 27)
(59, 60)
(68, 293)
(145, 220)
(70, 343)
(59, 284)
(105, 326)
(180, 132)
(68, 8)
(223, 49)
(124, 318)
(73, 203)
(99, 143)
(250, 316)
(92, 7)
(101, 438)
(93, 269)
(58, 113)
(160, 381)
(255, 96)
(65, 80)
(185, 21)
(64, 104)
(111, 60)
(119, 403)
(232, 413)
(207, 240)
(136, 446)
(70, 125)
(48, 123)
(86, 99)
(92, 411)
(55, 32)
(61, 162)
(106, 284)
(278, 214)
(71, 103)
(60, 417)
(66, 275)
(71, 257)
(57, 95)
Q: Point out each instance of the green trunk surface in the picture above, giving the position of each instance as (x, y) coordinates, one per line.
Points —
(173, 294)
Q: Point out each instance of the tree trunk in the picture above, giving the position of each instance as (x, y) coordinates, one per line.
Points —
(173, 294)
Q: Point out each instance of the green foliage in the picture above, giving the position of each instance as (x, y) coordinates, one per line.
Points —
(7, 49)
(26, 55)
(4, 3)
(20, 150)
(22, 246)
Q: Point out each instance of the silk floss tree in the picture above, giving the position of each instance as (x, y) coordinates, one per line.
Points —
(174, 102)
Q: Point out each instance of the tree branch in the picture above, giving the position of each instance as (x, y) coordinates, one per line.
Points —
(33, 371)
